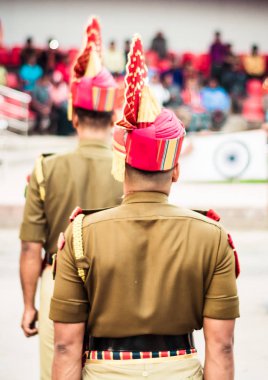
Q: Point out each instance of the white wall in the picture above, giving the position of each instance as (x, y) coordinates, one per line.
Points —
(188, 24)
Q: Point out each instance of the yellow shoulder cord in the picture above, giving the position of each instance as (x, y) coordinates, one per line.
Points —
(40, 177)
(78, 243)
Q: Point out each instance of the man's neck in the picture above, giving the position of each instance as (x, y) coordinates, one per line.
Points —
(147, 189)
(87, 134)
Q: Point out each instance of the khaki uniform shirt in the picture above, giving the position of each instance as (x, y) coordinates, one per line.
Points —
(153, 268)
(80, 178)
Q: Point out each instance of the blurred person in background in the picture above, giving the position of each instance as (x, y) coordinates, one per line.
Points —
(48, 56)
(174, 91)
(30, 72)
(59, 92)
(235, 122)
(254, 63)
(227, 67)
(114, 59)
(126, 49)
(217, 52)
(214, 97)
(27, 50)
(63, 65)
(176, 70)
(61, 182)
(216, 102)
(159, 45)
(191, 95)
(237, 87)
(160, 92)
(188, 72)
(42, 103)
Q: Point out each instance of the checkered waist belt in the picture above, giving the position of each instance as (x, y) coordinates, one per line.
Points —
(141, 346)
(132, 355)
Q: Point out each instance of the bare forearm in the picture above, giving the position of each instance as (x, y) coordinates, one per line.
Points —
(219, 365)
(66, 366)
(30, 268)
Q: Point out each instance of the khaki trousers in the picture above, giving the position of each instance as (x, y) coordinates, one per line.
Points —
(46, 329)
(173, 368)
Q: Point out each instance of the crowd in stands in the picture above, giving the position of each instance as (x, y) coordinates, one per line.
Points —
(216, 90)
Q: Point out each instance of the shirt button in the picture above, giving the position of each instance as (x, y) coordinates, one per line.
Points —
(145, 374)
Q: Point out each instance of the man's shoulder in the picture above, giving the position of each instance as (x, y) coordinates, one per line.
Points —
(55, 160)
(198, 217)
(167, 211)
(97, 216)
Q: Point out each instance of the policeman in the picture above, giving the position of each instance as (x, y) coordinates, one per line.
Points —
(60, 182)
(142, 276)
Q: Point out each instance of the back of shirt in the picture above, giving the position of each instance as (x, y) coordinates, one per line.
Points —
(81, 178)
(159, 270)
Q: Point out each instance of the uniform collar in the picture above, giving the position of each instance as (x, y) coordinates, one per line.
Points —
(145, 197)
(92, 143)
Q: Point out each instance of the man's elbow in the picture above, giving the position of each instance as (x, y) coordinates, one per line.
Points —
(227, 348)
(221, 347)
(62, 348)
(31, 249)
(68, 349)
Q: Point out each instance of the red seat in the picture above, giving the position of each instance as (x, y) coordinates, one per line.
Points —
(12, 80)
(253, 109)
(72, 53)
(164, 65)
(151, 59)
(14, 59)
(188, 57)
(254, 87)
(4, 56)
(202, 63)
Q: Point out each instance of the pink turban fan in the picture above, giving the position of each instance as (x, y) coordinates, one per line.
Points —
(156, 147)
(92, 87)
(97, 93)
(146, 138)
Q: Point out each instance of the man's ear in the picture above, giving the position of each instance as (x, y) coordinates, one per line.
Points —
(114, 119)
(176, 173)
(75, 120)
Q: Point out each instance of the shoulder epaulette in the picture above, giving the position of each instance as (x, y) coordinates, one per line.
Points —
(210, 214)
(213, 215)
(77, 217)
(78, 243)
(39, 172)
(237, 264)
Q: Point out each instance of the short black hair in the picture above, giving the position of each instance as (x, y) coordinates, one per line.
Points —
(100, 119)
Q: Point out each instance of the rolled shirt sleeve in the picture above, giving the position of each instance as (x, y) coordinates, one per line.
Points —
(34, 224)
(221, 299)
(69, 303)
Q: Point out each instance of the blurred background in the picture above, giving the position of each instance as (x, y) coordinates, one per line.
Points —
(208, 61)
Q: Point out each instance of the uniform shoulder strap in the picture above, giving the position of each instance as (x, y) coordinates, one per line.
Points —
(39, 173)
(77, 217)
(78, 243)
(210, 214)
